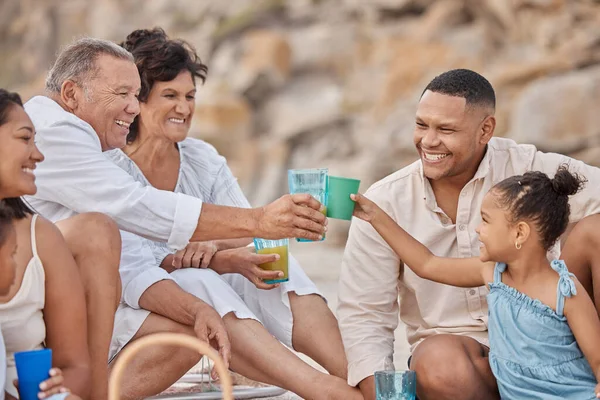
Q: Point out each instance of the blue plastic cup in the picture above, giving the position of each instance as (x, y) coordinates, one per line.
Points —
(395, 385)
(281, 247)
(33, 368)
(311, 181)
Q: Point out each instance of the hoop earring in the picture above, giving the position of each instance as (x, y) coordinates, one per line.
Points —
(518, 245)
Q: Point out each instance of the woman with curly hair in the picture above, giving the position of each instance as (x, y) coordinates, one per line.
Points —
(261, 319)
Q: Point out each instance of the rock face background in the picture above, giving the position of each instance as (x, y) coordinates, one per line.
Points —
(334, 83)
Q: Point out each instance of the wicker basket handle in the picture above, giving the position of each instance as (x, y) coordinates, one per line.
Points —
(170, 339)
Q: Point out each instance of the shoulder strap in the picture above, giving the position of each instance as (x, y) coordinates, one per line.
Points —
(565, 287)
(33, 240)
(498, 270)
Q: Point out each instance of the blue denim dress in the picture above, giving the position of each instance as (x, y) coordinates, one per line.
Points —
(533, 353)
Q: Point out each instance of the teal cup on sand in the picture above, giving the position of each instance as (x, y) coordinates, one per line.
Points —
(339, 203)
(395, 385)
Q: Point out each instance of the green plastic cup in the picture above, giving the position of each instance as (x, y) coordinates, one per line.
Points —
(339, 203)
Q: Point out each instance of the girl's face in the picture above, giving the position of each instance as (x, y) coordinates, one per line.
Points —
(18, 155)
(169, 109)
(8, 265)
(496, 234)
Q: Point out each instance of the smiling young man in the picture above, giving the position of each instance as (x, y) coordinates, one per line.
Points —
(437, 200)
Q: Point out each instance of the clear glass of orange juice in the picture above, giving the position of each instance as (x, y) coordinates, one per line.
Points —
(281, 247)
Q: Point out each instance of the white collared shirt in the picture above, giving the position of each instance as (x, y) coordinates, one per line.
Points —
(376, 289)
(77, 177)
(203, 173)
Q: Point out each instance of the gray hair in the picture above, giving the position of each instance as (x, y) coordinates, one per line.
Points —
(77, 61)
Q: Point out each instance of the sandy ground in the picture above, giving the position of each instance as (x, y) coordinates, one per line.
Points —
(322, 264)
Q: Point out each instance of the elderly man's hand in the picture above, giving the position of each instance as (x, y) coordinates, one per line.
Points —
(292, 216)
(244, 261)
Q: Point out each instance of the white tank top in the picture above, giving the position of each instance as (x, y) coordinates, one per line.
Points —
(21, 318)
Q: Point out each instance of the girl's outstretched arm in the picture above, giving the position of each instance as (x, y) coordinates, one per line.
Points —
(463, 272)
(583, 321)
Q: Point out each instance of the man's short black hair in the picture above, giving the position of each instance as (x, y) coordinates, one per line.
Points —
(471, 86)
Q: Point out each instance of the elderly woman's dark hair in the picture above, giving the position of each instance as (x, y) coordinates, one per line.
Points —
(16, 207)
(161, 59)
(7, 101)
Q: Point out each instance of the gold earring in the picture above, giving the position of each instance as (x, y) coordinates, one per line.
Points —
(518, 245)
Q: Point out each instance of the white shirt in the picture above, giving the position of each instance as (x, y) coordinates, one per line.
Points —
(76, 177)
(203, 173)
(373, 279)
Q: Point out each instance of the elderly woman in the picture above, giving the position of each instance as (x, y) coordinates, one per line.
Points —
(45, 306)
(159, 153)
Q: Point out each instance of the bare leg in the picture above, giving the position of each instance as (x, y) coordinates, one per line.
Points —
(255, 354)
(316, 333)
(95, 242)
(259, 356)
(581, 255)
(453, 367)
(157, 368)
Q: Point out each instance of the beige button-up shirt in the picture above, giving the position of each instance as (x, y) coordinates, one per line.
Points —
(376, 287)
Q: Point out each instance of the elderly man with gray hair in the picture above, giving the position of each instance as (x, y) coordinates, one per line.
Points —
(91, 101)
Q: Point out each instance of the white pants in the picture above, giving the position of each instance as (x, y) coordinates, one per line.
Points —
(227, 293)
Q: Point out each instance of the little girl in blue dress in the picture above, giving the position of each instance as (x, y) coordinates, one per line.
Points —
(543, 327)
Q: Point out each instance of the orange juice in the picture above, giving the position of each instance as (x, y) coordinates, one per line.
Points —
(279, 265)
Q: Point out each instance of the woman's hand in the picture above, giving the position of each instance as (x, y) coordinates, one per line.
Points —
(195, 255)
(51, 386)
(245, 261)
(364, 208)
